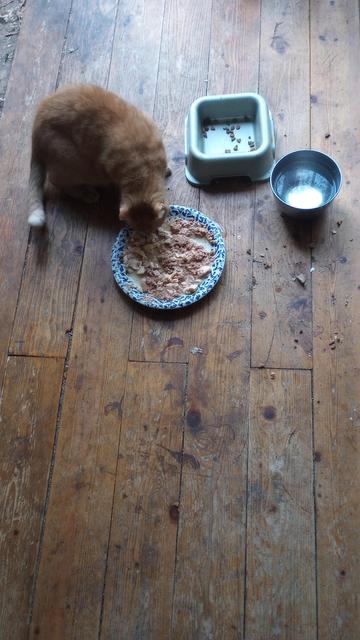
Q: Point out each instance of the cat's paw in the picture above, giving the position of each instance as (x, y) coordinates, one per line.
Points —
(37, 218)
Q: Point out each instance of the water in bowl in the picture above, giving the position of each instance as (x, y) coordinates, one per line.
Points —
(305, 189)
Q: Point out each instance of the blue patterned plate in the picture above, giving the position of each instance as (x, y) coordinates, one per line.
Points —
(204, 287)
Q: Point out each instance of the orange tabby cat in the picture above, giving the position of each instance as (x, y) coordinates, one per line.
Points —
(83, 137)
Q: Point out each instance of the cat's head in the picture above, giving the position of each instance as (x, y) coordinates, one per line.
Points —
(144, 216)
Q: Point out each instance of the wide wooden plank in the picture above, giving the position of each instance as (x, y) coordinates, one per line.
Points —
(282, 316)
(84, 476)
(182, 78)
(27, 426)
(135, 58)
(50, 281)
(335, 85)
(29, 82)
(209, 582)
(71, 574)
(140, 574)
(281, 585)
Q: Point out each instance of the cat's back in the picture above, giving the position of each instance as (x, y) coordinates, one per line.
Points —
(79, 105)
(88, 125)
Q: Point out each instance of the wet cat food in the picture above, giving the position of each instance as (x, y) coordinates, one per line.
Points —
(172, 261)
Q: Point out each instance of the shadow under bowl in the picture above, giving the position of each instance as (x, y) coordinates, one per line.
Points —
(305, 182)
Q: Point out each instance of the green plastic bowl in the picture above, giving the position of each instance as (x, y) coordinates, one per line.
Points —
(229, 136)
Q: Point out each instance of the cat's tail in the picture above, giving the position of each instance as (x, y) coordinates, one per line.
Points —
(36, 194)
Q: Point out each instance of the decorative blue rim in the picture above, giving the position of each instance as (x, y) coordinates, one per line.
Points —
(205, 286)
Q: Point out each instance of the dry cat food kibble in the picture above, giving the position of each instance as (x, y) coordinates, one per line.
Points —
(172, 261)
(231, 132)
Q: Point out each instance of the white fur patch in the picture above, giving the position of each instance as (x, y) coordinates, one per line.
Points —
(37, 218)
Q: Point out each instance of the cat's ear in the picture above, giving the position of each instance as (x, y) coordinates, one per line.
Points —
(124, 213)
(161, 210)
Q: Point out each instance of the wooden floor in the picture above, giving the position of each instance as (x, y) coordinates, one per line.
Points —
(194, 475)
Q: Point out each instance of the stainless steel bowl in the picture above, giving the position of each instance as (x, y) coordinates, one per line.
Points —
(304, 183)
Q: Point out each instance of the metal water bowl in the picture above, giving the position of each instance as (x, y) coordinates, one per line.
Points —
(305, 182)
